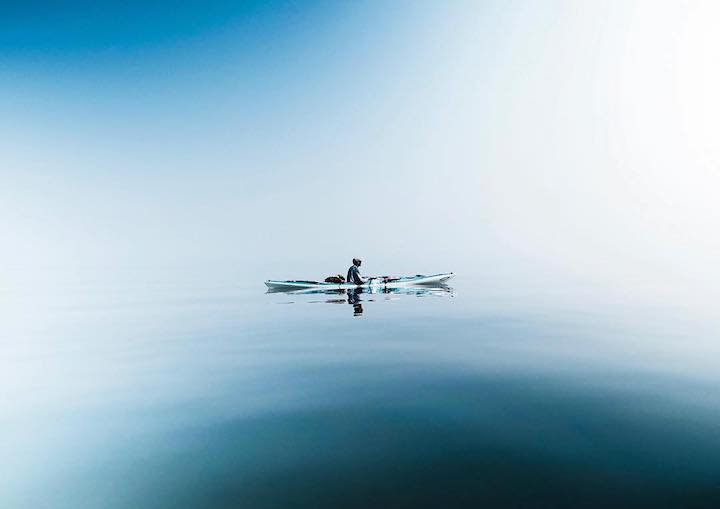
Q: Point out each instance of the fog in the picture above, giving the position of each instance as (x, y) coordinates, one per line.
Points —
(559, 141)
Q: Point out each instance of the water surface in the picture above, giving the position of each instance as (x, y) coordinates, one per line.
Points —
(166, 390)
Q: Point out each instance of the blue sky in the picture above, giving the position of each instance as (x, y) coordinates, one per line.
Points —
(96, 26)
(534, 137)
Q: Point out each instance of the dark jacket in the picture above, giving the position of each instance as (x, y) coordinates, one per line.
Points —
(353, 275)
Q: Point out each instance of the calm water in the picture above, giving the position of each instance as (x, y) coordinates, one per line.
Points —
(150, 390)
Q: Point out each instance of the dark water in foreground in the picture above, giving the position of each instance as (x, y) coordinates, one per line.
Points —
(154, 393)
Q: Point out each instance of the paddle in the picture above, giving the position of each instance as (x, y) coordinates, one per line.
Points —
(386, 279)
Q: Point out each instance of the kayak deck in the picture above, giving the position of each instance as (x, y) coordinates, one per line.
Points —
(416, 290)
(386, 282)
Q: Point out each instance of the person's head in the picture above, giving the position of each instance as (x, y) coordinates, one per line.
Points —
(357, 262)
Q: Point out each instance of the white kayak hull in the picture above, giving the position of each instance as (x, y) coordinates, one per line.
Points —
(374, 283)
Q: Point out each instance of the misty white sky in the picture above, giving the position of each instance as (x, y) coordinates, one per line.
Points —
(572, 139)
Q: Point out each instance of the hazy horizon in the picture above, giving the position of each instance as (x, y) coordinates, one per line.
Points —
(566, 139)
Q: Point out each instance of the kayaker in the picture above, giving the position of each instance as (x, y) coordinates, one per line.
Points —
(353, 275)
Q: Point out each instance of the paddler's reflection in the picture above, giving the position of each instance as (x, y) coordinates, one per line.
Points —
(353, 298)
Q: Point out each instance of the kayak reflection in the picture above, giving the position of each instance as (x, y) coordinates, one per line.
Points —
(355, 296)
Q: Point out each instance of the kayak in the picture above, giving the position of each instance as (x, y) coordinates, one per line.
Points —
(416, 290)
(385, 281)
(378, 282)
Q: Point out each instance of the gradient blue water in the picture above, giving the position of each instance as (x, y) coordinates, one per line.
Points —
(168, 390)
